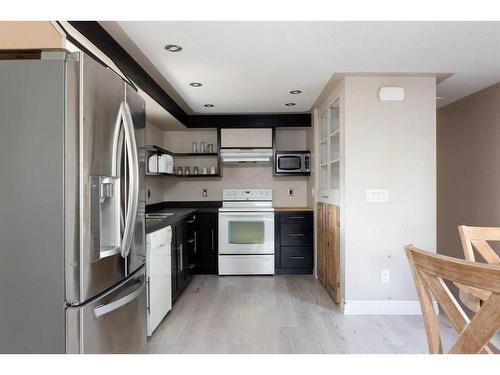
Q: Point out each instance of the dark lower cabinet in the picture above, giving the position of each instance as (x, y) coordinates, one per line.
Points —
(183, 242)
(205, 256)
(294, 244)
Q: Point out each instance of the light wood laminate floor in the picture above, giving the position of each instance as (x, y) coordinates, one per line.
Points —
(280, 314)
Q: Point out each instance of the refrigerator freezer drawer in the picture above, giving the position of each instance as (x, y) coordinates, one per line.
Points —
(113, 323)
(246, 264)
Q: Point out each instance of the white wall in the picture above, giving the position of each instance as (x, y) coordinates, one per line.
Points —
(388, 145)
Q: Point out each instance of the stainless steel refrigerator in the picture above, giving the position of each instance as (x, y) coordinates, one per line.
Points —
(72, 206)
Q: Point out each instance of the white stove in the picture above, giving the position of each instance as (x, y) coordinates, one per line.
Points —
(246, 232)
(247, 200)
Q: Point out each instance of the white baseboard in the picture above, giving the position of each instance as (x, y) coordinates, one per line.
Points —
(383, 307)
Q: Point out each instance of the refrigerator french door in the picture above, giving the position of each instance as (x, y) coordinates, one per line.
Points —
(72, 144)
(112, 214)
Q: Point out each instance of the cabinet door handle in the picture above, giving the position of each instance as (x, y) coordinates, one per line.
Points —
(195, 242)
(148, 295)
(212, 240)
(296, 257)
(180, 255)
(296, 217)
(297, 234)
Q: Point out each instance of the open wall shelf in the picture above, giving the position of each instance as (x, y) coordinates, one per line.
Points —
(153, 149)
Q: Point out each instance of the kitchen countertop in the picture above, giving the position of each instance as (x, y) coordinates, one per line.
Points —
(180, 213)
(284, 209)
(181, 209)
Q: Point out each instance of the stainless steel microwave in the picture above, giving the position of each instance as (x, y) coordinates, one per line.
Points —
(292, 162)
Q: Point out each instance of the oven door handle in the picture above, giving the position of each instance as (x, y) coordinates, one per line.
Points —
(256, 213)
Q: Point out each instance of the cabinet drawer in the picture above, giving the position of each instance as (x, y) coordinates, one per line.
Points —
(296, 234)
(305, 217)
(296, 257)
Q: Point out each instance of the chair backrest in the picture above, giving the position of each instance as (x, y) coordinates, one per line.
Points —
(477, 238)
(429, 272)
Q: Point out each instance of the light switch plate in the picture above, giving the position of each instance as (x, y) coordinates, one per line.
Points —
(385, 276)
(377, 195)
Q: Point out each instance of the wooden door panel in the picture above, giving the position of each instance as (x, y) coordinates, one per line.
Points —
(332, 253)
(321, 243)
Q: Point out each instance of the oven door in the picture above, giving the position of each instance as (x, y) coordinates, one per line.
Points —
(246, 233)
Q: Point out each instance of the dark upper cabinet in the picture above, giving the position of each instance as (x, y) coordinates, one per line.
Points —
(206, 248)
(294, 242)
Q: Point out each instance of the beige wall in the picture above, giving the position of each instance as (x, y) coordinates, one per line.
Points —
(154, 135)
(247, 176)
(155, 185)
(30, 35)
(234, 176)
(388, 145)
(468, 165)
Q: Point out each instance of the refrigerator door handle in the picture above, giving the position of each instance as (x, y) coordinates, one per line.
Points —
(125, 118)
(106, 309)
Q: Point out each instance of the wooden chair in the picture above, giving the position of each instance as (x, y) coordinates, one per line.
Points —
(429, 272)
(477, 238)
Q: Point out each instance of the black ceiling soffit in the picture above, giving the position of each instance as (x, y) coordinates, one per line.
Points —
(250, 121)
(96, 34)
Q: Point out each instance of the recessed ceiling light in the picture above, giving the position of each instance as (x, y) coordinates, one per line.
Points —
(294, 92)
(196, 84)
(173, 48)
(209, 105)
(290, 104)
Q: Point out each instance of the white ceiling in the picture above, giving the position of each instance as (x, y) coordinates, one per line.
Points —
(249, 67)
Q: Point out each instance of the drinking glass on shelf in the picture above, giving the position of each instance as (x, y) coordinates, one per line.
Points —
(212, 170)
(210, 148)
(202, 147)
(187, 171)
(196, 170)
(179, 170)
(195, 147)
(204, 170)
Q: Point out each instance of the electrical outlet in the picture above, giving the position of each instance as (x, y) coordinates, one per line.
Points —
(204, 192)
(290, 192)
(385, 276)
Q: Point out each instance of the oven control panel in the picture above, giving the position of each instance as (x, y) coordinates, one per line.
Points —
(247, 195)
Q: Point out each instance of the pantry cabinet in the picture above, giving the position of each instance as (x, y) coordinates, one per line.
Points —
(328, 255)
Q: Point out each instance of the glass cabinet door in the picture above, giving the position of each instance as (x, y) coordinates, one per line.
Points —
(329, 152)
(324, 150)
(334, 145)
